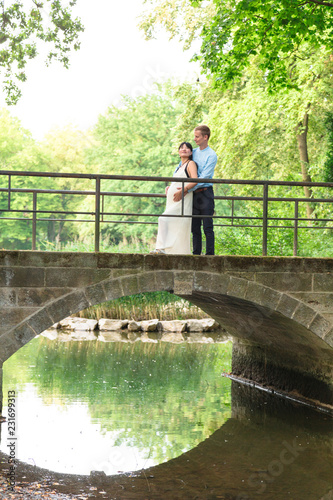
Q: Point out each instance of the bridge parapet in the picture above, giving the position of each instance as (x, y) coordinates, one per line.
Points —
(279, 309)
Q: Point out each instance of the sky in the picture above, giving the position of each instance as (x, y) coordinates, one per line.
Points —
(114, 59)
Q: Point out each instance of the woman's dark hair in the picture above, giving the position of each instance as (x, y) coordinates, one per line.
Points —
(188, 145)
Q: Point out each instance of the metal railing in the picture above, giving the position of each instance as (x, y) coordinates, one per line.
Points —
(99, 216)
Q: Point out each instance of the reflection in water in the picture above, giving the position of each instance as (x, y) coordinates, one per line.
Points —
(115, 407)
(160, 399)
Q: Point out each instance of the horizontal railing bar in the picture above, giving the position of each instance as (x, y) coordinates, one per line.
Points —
(160, 195)
(18, 173)
(132, 214)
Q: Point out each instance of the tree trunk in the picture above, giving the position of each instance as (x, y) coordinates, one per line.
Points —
(302, 132)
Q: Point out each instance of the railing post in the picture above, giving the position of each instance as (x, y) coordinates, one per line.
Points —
(295, 229)
(97, 212)
(34, 220)
(264, 219)
(9, 190)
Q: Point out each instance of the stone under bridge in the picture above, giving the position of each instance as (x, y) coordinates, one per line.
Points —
(279, 311)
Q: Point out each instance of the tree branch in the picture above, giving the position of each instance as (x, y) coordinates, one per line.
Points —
(318, 2)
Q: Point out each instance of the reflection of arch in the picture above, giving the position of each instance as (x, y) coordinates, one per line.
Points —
(281, 339)
(231, 462)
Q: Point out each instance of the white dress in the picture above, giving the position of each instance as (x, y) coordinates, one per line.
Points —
(174, 233)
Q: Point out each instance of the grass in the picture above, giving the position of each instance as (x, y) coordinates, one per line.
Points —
(144, 306)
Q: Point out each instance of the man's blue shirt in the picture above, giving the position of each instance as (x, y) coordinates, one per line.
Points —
(206, 160)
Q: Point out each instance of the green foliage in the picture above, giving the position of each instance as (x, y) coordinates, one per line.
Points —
(274, 32)
(23, 26)
(182, 19)
(328, 165)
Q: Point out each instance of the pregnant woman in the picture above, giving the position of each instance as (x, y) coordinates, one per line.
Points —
(174, 233)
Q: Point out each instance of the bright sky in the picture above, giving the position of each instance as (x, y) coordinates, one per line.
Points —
(114, 59)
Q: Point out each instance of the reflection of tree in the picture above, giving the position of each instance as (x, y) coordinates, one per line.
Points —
(163, 397)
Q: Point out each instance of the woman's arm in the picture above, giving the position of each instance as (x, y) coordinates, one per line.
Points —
(193, 173)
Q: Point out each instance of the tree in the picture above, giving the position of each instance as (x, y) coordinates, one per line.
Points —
(135, 139)
(275, 32)
(23, 24)
(183, 19)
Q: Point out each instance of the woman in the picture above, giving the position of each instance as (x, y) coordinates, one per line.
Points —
(174, 233)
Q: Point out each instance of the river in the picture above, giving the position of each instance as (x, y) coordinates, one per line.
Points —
(160, 420)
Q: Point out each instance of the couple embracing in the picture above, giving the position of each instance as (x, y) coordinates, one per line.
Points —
(174, 233)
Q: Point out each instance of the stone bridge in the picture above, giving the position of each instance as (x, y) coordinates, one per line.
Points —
(279, 311)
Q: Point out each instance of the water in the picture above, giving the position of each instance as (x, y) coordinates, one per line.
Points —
(165, 408)
(132, 405)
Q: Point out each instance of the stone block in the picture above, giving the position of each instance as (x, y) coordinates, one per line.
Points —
(210, 282)
(284, 282)
(66, 306)
(237, 287)
(320, 326)
(82, 324)
(150, 325)
(95, 294)
(129, 285)
(243, 264)
(263, 295)
(323, 282)
(112, 324)
(164, 280)
(147, 282)
(74, 277)
(120, 260)
(7, 297)
(183, 283)
(9, 258)
(287, 305)
(112, 289)
(24, 333)
(8, 346)
(329, 337)
(58, 259)
(21, 276)
(134, 326)
(201, 325)
(303, 314)
(315, 265)
(176, 326)
(40, 321)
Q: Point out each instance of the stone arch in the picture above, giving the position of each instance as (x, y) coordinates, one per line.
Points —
(205, 289)
(275, 335)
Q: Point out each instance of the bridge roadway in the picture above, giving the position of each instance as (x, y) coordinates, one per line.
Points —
(279, 311)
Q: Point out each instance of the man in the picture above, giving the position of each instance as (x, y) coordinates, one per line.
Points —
(203, 194)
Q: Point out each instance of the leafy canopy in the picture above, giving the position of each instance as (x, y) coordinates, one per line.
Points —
(25, 23)
(274, 31)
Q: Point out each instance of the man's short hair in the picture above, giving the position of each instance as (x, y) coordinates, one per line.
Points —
(203, 129)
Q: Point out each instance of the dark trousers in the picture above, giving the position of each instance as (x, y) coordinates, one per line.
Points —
(203, 204)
